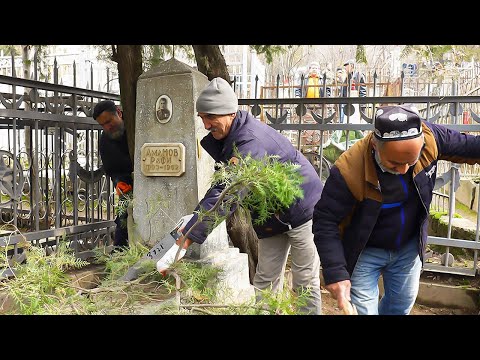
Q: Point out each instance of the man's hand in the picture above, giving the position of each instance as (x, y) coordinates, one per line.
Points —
(123, 188)
(341, 292)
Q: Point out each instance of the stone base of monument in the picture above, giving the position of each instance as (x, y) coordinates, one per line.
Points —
(233, 285)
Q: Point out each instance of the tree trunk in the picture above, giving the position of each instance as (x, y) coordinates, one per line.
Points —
(129, 64)
(210, 61)
(242, 235)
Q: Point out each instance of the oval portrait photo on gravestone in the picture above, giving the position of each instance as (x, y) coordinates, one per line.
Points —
(163, 109)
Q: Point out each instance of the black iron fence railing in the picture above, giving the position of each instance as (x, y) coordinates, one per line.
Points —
(46, 135)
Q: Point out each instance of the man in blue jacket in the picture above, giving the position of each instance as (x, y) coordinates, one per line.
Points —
(372, 217)
(217, 106)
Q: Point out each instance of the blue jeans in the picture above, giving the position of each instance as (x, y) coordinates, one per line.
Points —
(401, 278)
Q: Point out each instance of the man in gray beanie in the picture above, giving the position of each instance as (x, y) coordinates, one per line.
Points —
(228, 127)
(372, 217)
(217, 98)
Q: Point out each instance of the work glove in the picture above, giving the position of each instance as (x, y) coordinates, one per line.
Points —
(123, 188)
(167, 260)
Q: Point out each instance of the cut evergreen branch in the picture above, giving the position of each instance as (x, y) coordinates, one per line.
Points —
(263, 186)
(285, 302)
(118, 262)
(199, 281)
(122, 206)
(43, 286)
(4, 262)
(39, 285)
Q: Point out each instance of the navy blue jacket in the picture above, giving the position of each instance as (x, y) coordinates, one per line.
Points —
(351, 201)
(252, 136)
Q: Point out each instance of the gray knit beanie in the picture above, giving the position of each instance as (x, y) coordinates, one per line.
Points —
(217, 98)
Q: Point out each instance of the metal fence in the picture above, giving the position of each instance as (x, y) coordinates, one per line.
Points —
(52, 184)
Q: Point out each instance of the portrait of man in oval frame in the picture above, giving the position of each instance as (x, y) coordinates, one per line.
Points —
(163, 109)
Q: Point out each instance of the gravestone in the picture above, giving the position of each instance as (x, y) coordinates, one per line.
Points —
(172, 171)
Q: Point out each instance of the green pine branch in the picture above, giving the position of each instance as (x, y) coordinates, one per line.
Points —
(265, 187)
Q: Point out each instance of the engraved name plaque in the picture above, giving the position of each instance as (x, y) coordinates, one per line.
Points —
(163, 159)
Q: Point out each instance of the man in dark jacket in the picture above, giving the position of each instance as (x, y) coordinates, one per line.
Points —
(372, 217)
(217, 106)
(115, 158)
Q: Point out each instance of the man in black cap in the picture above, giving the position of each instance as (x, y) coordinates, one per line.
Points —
(115, 157)
(372, 217)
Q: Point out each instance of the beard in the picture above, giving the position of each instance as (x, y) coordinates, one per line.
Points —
(117, 133)
(382, 167)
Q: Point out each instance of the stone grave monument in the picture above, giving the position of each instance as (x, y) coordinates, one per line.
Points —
(172, 171)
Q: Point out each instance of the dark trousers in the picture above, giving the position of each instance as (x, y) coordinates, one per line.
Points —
(121, 233)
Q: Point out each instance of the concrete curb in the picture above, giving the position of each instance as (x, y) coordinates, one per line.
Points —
(438, 295)
(445, 296)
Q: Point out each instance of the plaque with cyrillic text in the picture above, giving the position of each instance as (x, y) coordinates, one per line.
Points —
(163, 159)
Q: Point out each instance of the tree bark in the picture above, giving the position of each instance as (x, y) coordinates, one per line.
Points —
(129, 64)
(210, 61)
(242, 235)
